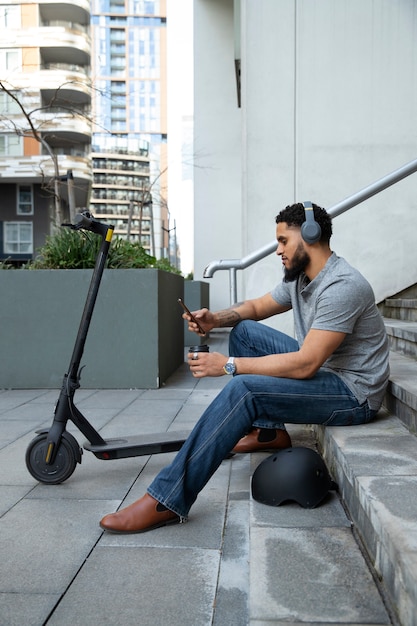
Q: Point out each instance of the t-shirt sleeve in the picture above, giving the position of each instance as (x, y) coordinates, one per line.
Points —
(340, 305)
(282, 295)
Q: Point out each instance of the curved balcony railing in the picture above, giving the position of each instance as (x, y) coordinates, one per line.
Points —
(70, 10)
(67, 25)
(62, 68)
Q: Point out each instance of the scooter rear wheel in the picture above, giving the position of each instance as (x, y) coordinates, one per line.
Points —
(63, 466)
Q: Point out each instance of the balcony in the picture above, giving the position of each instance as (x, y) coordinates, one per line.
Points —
(58, 44)
(76, 11)
(64, 129)
(62, 45)
(64, 91)
(40, 169)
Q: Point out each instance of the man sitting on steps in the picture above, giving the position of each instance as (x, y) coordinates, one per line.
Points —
(334, 373)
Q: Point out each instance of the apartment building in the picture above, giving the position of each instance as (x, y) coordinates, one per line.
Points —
(45, 122)
(129, 146)
(120, 193)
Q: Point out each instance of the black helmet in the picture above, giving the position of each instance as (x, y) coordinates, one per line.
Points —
(298, 474)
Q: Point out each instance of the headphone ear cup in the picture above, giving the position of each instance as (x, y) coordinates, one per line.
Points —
(310, 229)
(311, 232)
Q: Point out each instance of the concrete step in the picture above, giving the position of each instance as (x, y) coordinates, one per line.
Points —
(402, 336)
(375, 466)
(306, 566)
(401, 396)
(400, 308)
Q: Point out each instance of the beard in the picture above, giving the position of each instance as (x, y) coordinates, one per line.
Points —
(299, 263)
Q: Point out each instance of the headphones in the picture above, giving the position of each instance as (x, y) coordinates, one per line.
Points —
(310, 229)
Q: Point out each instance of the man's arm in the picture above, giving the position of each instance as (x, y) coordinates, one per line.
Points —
(316, 349)
(256, 309)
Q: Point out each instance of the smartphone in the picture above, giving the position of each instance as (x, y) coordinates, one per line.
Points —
(187, 310)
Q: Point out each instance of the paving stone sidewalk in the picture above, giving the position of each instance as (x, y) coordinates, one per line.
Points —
(235, 562)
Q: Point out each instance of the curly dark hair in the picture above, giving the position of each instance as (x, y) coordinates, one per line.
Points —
(294, 215)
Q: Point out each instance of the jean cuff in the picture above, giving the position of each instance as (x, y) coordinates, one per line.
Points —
(269, 424)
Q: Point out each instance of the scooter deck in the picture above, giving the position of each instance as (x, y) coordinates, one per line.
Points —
(122, 448)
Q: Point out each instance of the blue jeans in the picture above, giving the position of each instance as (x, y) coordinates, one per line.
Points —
(249, 400)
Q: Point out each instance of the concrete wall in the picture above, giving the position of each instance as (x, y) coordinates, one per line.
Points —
(135, 340)
(217, 142)
(329, 100)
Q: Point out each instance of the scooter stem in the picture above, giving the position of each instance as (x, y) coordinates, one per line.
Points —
(106, 233)
(65, 409)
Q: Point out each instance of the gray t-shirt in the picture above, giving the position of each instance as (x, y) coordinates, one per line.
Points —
(340, 299)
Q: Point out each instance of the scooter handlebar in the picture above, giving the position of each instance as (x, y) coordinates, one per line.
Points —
(83, 220)
(86, 221)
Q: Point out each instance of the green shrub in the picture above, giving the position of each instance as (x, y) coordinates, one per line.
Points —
(5, 265)
(67, 249)
(70, 249)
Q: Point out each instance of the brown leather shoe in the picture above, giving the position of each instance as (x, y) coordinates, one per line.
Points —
(263, 440)
(144, 514)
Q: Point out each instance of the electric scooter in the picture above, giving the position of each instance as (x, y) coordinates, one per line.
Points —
(52, 456)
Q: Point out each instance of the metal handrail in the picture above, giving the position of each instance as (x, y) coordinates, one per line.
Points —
(337, 209)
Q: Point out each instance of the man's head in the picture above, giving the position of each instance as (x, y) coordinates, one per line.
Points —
(295, 215)
(298, 255)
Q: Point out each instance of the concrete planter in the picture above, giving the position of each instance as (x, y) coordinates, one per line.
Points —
(136, 337)
(196, 296)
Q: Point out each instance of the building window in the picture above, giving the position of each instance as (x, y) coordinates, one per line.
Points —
(8, 105)
(11, 145)
(10, 60)
(147, 7)
(117, 87)
(117, 6)
(18, 238)
(25, 200)
(10, 16)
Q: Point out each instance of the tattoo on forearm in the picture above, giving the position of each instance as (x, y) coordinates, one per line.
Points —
(229, 317)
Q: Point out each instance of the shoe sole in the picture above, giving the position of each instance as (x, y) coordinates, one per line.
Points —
(272, 450)
(142, 530)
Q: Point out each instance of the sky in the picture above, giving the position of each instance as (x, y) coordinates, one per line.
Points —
(180, 116)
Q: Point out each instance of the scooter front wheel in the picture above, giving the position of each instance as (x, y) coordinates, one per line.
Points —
(64, 464)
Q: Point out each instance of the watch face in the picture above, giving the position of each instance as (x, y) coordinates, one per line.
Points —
(230, 368)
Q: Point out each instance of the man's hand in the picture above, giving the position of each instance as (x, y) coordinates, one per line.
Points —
(205, 320)
(207, 364)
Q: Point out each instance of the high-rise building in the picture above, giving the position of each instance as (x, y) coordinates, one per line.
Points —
(129, 146)
(83, 120)
(45, 123)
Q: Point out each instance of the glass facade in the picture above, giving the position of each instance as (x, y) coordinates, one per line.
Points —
(129, 101)
(128, 74)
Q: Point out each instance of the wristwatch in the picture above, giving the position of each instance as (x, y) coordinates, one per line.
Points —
(230, 367)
